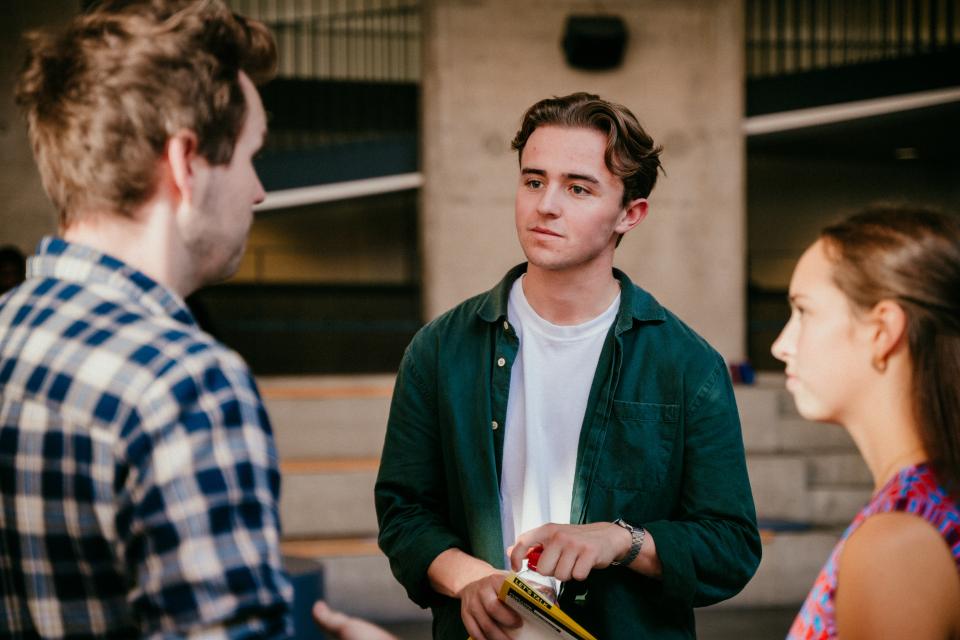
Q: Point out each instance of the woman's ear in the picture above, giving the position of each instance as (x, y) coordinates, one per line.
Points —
(889, 323)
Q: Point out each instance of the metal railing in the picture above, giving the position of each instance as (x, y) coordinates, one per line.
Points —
(349, 73)
(345, 40)
(793, 36)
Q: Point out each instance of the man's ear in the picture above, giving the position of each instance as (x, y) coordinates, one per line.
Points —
(633, 214)
(889, 326)
(181, 156)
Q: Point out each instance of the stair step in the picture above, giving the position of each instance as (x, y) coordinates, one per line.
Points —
(310, 392)
(840, 470)
(818, 489)
(329, 432)
(790, 564)
(328, 498)
(317, 548)
(779, 484)
(358, 578)
(771, 424)
(327, 385)
(838, 507)
(314, 466)
(797, 434)
(328, 416)
(364, 586)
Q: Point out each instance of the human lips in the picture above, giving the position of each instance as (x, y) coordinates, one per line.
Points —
(792, 382)
(546, 232)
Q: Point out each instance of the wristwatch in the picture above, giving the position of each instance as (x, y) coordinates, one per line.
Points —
(637, 534)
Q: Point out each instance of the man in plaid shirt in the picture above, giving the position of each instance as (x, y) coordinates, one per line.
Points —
(138, 477)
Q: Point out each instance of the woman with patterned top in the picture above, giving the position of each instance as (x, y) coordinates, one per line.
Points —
(873, 344)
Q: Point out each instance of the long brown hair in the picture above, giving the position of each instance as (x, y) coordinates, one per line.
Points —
(911, 255)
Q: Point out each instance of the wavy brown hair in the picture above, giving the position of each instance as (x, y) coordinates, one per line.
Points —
(631, 154)
(911, 256)
(103, 96)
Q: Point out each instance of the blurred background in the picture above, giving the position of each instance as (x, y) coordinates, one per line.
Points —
(391, 184)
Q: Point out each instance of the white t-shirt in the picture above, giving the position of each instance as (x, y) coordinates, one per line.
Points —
(549, 387)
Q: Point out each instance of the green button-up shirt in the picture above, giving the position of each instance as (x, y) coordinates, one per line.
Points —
(660, 446)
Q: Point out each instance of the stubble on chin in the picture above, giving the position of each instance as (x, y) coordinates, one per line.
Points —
(231, 264)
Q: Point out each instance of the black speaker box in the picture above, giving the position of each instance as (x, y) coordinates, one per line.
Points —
(594, 42)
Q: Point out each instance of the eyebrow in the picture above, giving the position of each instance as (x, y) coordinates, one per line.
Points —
(569, 176)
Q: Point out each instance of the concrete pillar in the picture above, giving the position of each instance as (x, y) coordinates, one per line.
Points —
(486, 61)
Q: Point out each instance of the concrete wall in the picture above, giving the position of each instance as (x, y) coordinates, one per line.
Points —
(486, 61)
(26, 214)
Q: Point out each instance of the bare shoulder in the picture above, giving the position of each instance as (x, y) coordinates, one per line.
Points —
(897, 579)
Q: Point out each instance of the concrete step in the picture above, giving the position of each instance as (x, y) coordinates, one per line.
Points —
(334, 498)
(329, 432)
(779, 484)
(797, 434)
(328, 416)
(328, 497)
(790, 564)
(357, 578)
(771, 424)
(816, 489)
(346, 416)
(839, 470)
(837, 506)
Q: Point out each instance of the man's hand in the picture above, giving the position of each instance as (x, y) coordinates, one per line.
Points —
(476, 583)
(344, 627)
(572, 550)
(483, 614)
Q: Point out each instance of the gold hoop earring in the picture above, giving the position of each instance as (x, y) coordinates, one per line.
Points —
(879, 364)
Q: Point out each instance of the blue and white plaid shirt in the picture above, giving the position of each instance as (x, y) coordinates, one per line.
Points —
(138, 478)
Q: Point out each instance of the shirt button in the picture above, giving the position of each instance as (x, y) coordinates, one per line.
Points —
(506, 326)
(501, 362)
(495, 425)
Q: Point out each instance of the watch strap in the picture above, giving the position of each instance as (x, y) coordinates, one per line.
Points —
(637, 536)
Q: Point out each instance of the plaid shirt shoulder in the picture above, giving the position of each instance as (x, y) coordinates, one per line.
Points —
(138, 478)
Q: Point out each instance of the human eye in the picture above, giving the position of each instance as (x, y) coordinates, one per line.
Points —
(579, 190)
(533, 183)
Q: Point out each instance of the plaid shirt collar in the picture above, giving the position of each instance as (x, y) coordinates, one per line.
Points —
(57, 258)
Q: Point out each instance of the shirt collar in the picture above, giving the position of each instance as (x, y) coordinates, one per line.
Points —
(635, 303)
(57, 258)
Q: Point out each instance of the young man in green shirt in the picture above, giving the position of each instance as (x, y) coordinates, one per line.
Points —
(566, 408)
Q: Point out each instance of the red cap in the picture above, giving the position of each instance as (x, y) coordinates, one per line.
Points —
(533, 556)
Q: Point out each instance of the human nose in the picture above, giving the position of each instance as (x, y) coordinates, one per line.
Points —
(548, 204)
(259, 194)
(783, 347)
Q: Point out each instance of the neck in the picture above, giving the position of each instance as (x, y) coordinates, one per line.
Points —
(566, 298)
(887, 433)
(145, 241)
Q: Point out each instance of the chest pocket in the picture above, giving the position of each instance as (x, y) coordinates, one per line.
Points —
(638, 445)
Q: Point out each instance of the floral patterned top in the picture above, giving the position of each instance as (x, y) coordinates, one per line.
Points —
(913, 490)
